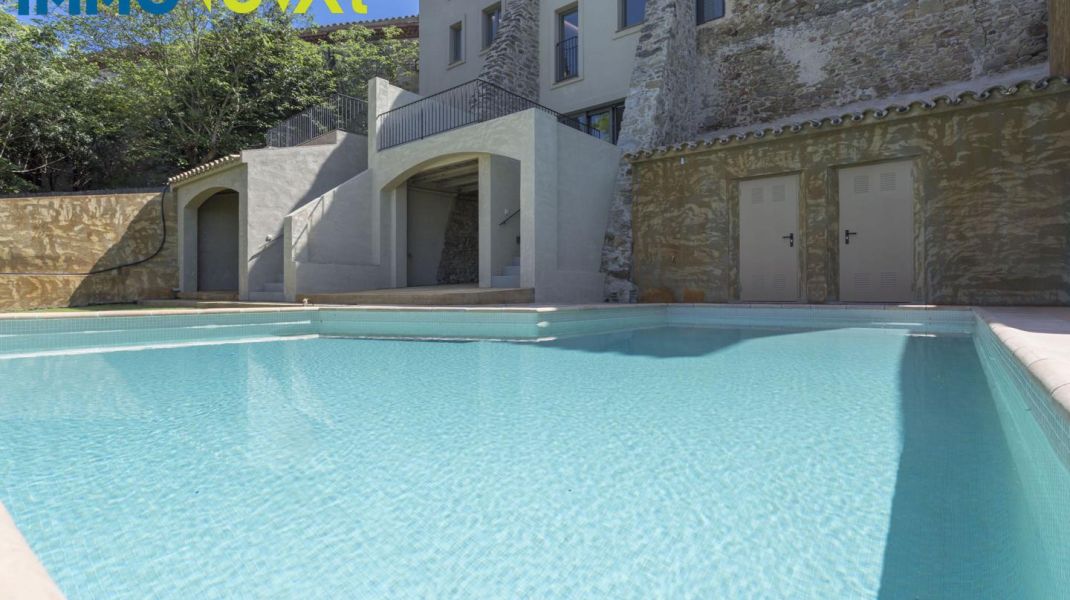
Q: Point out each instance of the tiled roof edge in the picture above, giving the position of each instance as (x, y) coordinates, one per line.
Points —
(855, 117)
(206, 167)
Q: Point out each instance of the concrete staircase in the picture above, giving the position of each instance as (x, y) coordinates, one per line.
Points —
(272, 292)
(510, 277)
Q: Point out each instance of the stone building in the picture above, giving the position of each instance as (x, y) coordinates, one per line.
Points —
(689, 71)
(682, 150)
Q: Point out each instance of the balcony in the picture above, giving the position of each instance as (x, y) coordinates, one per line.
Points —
(568, 59)
(474, 102)
(337, 113)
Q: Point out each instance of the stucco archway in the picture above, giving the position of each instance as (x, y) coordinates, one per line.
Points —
(211, 238)
(484, 193)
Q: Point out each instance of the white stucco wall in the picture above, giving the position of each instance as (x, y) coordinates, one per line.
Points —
(355, 237)
(606, 56)
(334, 243)
(436, 17)
(499, 197)
(271, 183)
(282, 179)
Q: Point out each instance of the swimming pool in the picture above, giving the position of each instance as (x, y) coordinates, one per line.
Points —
(637, 457)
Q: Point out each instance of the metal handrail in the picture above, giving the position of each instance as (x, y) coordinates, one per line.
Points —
(510, 217)
(339, 113)
(473, 102)
(568, 58)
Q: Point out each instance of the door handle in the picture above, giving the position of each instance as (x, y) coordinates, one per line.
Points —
(791, 239)
(847, 233)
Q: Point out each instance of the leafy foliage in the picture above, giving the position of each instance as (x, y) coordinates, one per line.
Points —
(126, 100)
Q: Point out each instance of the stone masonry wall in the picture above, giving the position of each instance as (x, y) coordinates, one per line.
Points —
(767, 60)
(45, 235)
(513, 59)
(460, 250)
(661, 108)
(992, 203)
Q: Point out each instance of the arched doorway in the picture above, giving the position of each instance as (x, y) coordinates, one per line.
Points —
(217, 243)
(459, 223)
(442, 215)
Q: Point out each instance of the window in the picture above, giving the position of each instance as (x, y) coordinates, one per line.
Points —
(632, 13)
(568, 44)
(709, 10)
(456, 43)
(603, 123)
(492, 22)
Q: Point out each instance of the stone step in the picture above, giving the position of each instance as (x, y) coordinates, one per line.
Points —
(209, 296)
(273, 287)
(267, 297)
(505, 281)
(511, 270)
(515, 262)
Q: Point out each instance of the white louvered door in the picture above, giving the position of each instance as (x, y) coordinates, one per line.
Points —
(769, 239)
(877, 233)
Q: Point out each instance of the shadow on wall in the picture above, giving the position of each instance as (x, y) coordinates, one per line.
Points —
(57, 239)
(960, 524)
(282, 180)
(155, 278)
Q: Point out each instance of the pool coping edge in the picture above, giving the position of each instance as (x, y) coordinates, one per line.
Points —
(22, 574)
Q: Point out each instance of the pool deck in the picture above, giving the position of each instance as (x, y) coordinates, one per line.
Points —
(1038, 337)
(21, 574)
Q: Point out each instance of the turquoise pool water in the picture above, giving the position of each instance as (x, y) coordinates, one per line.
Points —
(668, 462)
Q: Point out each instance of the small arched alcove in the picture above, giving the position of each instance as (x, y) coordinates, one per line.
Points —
(217, 242)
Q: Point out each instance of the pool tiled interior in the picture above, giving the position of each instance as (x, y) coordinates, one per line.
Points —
(1029, 346)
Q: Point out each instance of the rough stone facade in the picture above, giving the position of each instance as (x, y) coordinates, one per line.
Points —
(513, 59)
(767, 60)
(460, 249)
(992, 194)
(42, 236)
(660, 109)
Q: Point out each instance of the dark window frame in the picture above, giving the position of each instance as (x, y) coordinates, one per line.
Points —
(567, 48)
(490, 27)
(456, 54)
(720, 9)
(615, 111)
(623, 15)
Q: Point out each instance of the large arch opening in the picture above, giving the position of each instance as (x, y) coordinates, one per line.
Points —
(217, 242)
(442, 226)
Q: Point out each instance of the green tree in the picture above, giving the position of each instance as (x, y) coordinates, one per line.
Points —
(126, 100)
(358, 54)
(51, 125)
(214, 81)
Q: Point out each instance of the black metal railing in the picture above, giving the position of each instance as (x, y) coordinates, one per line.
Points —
(339, 112)
(568, 58)
(467, 104)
